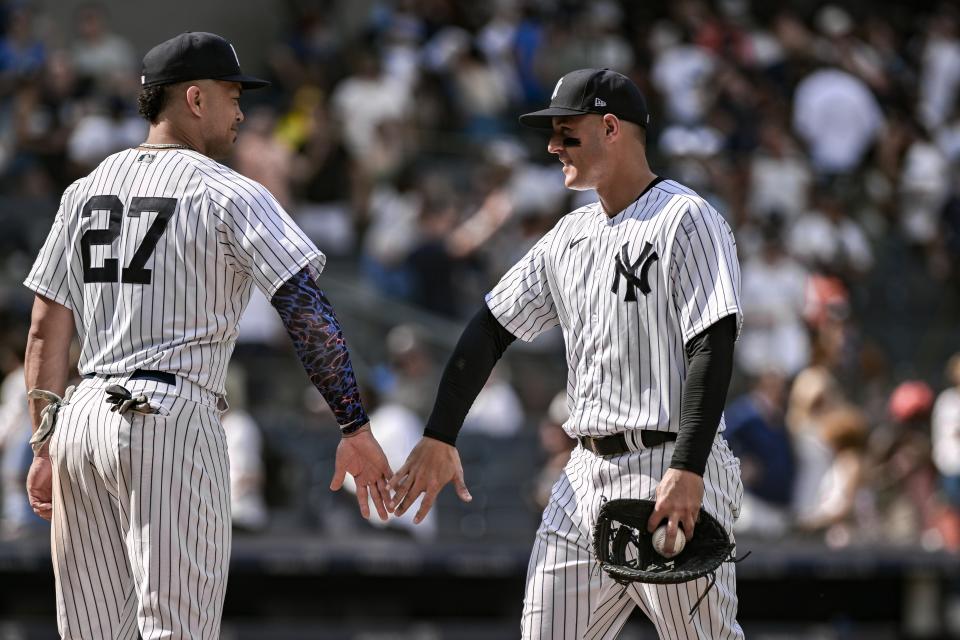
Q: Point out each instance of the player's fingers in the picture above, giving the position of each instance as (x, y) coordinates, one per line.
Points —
(378, 502)
(362, 500)
(462, 490)
(656, 519)
(670, 540)
(338, 474)
(400, 478)
(42, 509)
(384, 489)
(416, 488)
(400, 485)
(428, 500)
(688, 524)
(385, 469)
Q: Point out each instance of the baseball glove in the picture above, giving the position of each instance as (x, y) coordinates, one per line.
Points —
(624, 547)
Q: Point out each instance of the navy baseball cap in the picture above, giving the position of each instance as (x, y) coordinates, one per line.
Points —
(592, 91)
(195, 55)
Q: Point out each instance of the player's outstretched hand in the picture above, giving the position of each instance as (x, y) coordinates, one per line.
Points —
(40, 486)
(679, 496)
(430, 466)
(360, 455)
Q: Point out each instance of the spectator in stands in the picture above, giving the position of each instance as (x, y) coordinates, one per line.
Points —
(261, 156)
(363, 101)
(681, 73)
(939, 85)
(446, 252)
(905, 475)
(16, 517)
(838, 118)
(813, 394)
(758, 436)
(780, 177)
(478, 91)
(112, 126)
(774, 336)
(497, 411)
(245, 449)
(828, 238)
(22, 54)
(45, 114)
(924, 182)
(101, 57)
(412, 376)
(945, 426)
(841, 495)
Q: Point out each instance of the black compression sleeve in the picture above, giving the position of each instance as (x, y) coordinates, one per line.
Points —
(709, 365)
(481, 344)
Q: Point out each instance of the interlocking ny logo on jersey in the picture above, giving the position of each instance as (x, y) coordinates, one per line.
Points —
(628, 270)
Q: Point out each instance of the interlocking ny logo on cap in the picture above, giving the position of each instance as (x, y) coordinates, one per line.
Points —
(556, 89)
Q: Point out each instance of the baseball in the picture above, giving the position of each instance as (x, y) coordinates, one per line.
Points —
(660, 537)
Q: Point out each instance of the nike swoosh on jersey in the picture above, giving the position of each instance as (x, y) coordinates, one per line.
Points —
(574, 243)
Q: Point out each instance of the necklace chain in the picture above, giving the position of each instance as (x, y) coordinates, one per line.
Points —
(165, 145)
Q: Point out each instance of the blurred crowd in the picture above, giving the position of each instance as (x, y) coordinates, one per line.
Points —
(828, 135)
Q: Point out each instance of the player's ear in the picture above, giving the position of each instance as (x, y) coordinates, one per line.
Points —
(193, 96)
(611, 126)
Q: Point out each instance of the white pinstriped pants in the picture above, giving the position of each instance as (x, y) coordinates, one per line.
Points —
(141, 518)
(568, 597)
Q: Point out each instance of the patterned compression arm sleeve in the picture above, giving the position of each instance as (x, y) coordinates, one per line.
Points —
(318, 340)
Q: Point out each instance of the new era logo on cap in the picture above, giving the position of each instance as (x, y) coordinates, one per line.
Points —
(578, 93)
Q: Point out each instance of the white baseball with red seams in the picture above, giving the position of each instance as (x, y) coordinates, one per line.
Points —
(660, 542)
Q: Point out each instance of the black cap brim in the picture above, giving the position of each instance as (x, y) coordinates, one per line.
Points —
(543, 119)
(249, 83)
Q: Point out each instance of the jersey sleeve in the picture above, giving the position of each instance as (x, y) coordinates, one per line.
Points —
(49, 276)
(704, 271)
(265, 242)
(522, 301)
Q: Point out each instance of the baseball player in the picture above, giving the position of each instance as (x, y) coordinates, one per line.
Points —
(152, 258)
(645, 286)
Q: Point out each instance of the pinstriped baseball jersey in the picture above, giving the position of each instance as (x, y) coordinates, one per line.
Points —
(156, 253)
(628, 292)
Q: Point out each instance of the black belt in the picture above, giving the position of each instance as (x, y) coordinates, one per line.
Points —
(140, 374)
(617, 443)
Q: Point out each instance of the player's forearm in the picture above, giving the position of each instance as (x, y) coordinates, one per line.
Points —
(480, 346)
(319, 343)
(710, 364)
(47, 357)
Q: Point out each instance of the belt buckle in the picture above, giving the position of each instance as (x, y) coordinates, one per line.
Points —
(590, 444)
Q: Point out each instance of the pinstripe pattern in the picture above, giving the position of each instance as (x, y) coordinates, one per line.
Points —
(567, 596)
(227, 235)
(625, 360)
(141, 518)
(628, 292)
(141, 505)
